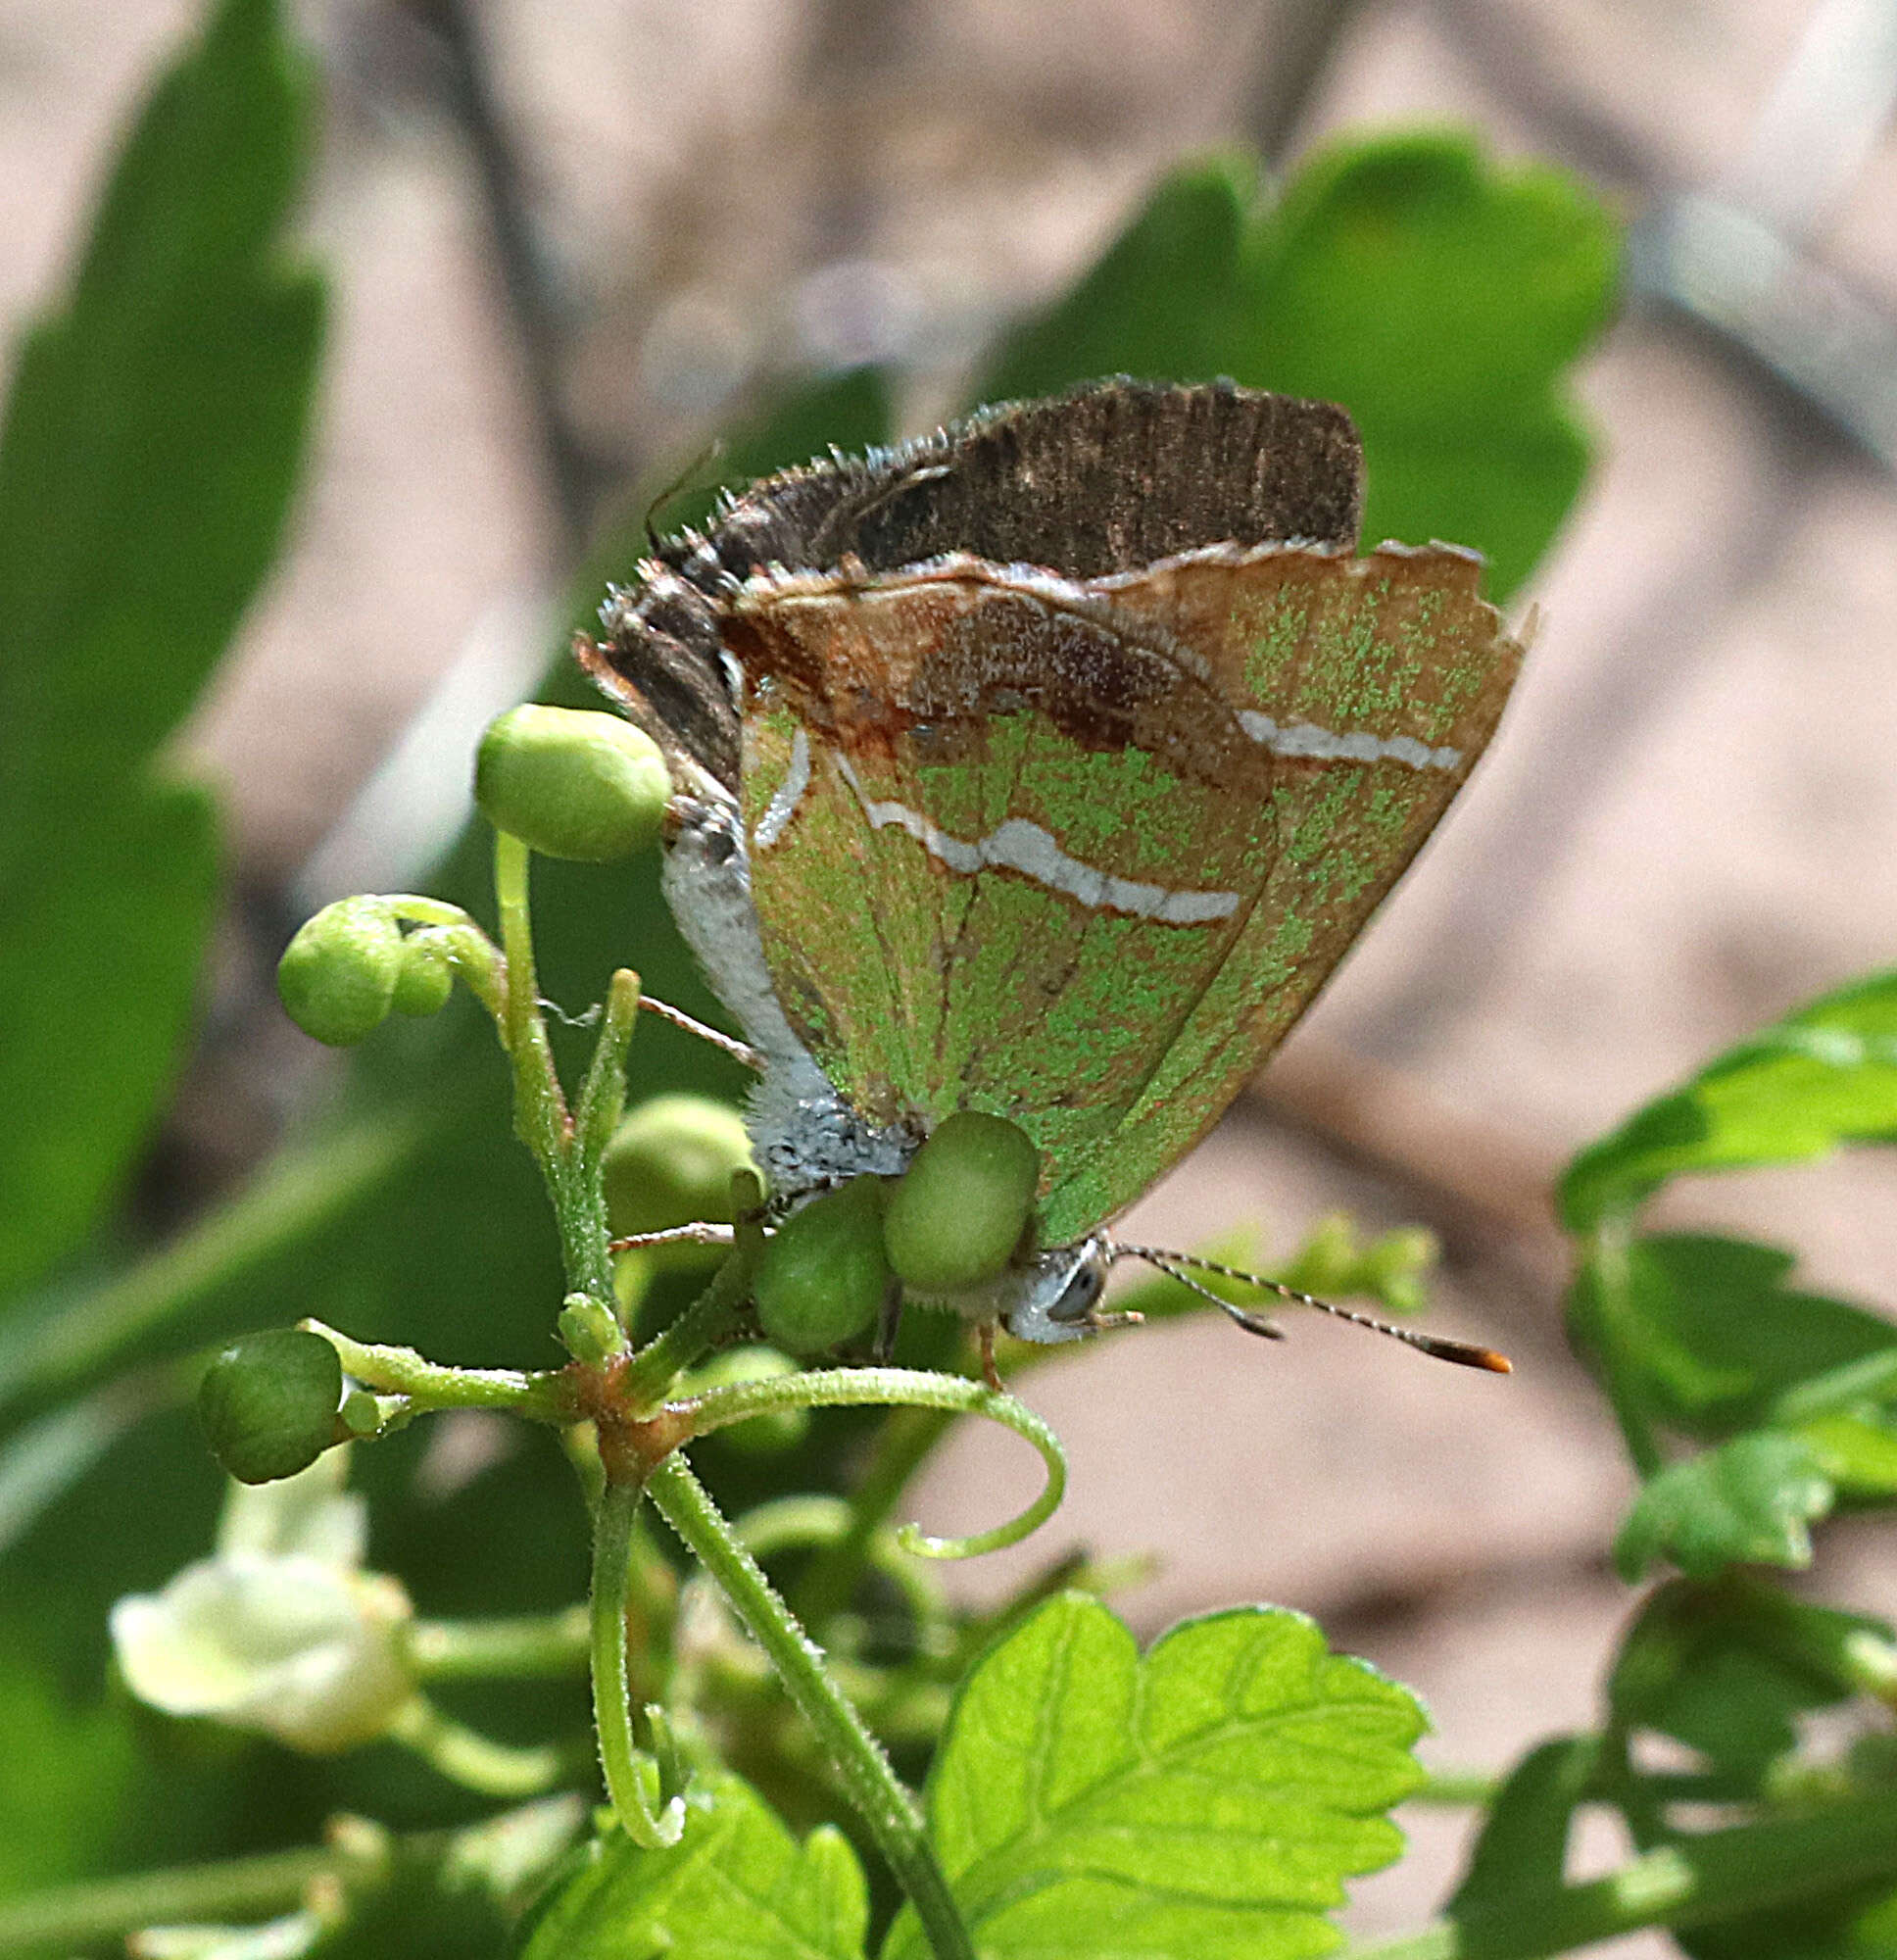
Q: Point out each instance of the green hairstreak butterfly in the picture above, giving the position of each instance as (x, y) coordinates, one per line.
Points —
(1045, 767)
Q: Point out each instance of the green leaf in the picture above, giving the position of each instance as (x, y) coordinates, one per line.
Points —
(67, 1771)
(1747, 1502)
(1209, 1799)
(153, 434)
(1728, 1669)
(1822, 1077)
(1438, 298)
(736, 1887)
(1714, 1337)
(1523, 1847)
(1441, 299)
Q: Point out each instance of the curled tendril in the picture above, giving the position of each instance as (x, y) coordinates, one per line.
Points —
(902, 1387)
(812, 1519)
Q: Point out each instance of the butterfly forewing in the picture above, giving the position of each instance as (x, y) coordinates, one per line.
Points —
(981, 884)
(1373, 684)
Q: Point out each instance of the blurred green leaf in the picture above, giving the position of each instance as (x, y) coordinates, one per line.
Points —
(1728, 1669)
(1438, 298)
(153, 435)
(66, 1772)
(1714, 1337)
(1523, 1847)
(1822, 1077)
(737, 1886)
(1747, 1502)
(1209, 1799)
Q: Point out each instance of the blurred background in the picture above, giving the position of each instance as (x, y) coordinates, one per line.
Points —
(568, 243)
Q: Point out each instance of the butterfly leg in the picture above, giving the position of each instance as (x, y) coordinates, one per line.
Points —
(990, 1374)
(889, 1318)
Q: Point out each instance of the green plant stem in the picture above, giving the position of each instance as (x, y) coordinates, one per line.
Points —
(629, 1778)
(903, 1445)
(475, 1761)
(428, 1386)
(232, 1891)
(539, 1107)
(1695, 1882)
(853, 1388)
(871, 1784)
(535, 1647)
(708, 1318)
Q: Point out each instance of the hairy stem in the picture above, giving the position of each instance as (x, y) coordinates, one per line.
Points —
(631, 1781)
(863, 1770)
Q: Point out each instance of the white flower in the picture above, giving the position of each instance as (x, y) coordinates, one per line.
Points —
(280, 1630)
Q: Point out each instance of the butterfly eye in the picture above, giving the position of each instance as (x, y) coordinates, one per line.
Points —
(1081, 1294)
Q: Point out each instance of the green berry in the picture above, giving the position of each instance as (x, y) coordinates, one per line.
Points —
(824, 1275)
(959, 1214)
(337, 977)
(269, 1404)
(762, 1435)
(425, 978)
(670, 1163)
(572, 782)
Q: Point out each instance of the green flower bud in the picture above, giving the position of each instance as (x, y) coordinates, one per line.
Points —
(670, 1163)
(590, 1331)
(762, 1435)
(824, 1275)
(337, 977)
(572, 782)
(959, 1214)
(269, 1404)
(426, 977)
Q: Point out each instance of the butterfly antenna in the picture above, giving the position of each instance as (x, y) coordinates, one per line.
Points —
(1252, 1323)
(711, 452)
(1464, 1354)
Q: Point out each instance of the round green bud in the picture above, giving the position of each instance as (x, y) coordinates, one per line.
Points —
(337, 977)
(957, 1216)
(824, 1275)
(670, 1163)
(360, 1413)
(762, 1435)
(269, 1404)
(425, 978)
(590, 1330)
(572, 782)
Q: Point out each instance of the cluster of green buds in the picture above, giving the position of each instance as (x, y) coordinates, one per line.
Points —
(568, 783)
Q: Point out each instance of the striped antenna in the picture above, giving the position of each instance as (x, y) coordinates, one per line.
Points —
(1464, 1354)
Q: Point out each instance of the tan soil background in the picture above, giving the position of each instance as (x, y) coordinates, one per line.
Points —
(1685, 827)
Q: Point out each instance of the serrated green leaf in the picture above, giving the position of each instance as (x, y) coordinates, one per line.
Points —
(1747, 1502)
(1711, 1338)
(154, 430)
(1209, 1799)
(736, 1887)
(1438, 298)
(1822, 1077)
(1523, 1847)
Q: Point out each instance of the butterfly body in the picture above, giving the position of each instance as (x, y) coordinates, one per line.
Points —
(1046, 768)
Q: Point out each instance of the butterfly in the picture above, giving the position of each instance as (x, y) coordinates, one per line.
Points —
(1046, 767)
